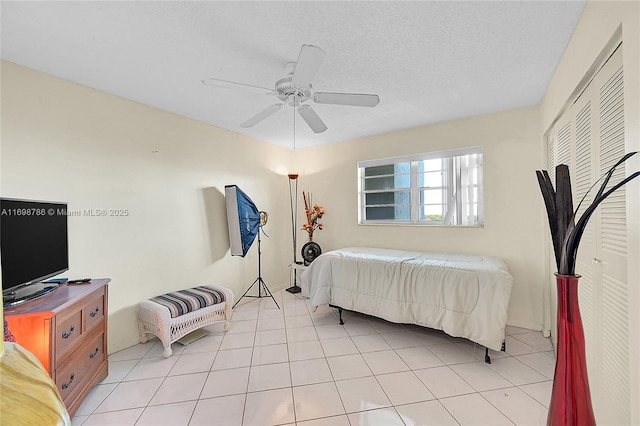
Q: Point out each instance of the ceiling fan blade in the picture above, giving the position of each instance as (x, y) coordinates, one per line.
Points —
(309, 61)
(354, 99)
(261, 115)
(312, 119)
(216, 82)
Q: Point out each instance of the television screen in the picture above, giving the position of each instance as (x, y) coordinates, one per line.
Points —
(33, 241)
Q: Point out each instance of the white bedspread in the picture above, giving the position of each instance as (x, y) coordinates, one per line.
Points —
(463, 295)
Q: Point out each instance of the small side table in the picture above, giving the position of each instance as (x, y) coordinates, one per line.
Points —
(295, 277)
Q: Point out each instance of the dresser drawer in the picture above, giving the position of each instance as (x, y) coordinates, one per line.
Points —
(67, 332)
(93, 311)
(79, 367)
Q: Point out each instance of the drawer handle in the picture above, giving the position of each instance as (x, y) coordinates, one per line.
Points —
(66, 335)
(65, 384)
(94, 353)
(94, 313)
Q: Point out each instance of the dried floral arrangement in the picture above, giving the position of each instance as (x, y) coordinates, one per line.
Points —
(565, 232)
(313, 212)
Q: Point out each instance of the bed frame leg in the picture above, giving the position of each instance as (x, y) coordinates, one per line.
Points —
(504, 346)
(339, 312)
(487, 358)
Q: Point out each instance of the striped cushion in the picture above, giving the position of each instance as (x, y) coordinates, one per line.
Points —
(191, 299)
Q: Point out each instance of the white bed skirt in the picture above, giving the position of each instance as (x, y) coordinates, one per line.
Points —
(463, 295)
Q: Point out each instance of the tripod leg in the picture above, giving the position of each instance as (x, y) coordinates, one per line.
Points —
(259, 280)
(245, 293)
(268, 292)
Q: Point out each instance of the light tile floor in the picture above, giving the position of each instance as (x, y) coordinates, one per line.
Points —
(295, 366)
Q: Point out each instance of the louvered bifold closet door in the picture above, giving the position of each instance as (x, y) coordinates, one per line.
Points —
(612, 249)
(584, 174)
(589, 137)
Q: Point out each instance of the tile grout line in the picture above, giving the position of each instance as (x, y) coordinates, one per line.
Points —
(376, 332)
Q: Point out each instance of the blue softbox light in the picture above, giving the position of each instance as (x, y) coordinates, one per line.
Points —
(243, 219)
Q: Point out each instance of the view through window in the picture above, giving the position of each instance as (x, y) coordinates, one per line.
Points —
(439, 188)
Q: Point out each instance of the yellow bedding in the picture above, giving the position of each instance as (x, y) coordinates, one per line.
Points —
(28, 396)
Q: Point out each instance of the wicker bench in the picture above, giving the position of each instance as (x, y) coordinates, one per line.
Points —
(172, 316)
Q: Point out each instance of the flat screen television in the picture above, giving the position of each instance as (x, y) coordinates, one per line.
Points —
(33, 247)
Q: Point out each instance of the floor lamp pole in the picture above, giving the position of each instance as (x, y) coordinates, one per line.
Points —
(294, 227)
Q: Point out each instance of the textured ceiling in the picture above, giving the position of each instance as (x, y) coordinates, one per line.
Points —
(428, 61)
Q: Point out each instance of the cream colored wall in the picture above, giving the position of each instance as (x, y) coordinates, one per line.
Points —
(62, 141)
(513, 227)
(599, 22)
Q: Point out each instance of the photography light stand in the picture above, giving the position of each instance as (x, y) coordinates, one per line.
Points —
(294, 226)
(263, 290)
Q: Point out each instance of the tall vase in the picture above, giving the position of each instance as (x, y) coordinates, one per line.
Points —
(570, 397)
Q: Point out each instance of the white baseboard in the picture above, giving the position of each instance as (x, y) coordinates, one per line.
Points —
(530, 326)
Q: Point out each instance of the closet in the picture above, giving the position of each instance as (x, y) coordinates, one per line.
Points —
(589, 137)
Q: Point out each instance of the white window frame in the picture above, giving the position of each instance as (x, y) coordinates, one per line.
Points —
(456, 173)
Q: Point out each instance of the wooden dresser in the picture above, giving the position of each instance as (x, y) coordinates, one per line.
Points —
(67, 331)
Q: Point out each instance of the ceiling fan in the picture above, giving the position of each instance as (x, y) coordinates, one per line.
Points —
(295, 90)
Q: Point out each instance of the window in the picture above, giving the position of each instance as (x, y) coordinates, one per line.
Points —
(438, 188)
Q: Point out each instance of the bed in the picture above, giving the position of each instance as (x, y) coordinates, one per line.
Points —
(463, 295)
(28, 395)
